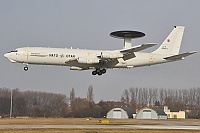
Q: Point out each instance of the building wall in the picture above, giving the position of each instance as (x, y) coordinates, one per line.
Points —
(112, 112)
(176, 115)
(162, 116)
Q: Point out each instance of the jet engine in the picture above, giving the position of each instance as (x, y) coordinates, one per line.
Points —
(88, 61)
(76, 68)
(107, 55)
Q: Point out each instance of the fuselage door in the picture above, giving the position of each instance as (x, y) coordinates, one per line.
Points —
(25, 53)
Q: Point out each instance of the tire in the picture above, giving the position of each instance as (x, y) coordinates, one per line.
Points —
(25, 68)
(100, 73)
(103, 71)
(98, 70)
(94, 72)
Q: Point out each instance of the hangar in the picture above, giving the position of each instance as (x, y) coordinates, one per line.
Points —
(121, 113)
(151, 113)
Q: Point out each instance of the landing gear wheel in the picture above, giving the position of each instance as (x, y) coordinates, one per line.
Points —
(94, 72)
(99, 71)
(103, 70)
(26, 68)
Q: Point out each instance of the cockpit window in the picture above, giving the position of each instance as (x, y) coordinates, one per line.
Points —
(14, 51)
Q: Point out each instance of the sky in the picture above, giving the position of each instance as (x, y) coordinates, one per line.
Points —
(87, 24)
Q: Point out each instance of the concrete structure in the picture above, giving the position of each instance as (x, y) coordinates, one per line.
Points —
(151, 113)
(120, 113)
(174, 114)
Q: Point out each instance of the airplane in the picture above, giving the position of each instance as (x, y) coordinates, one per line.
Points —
(101, 60)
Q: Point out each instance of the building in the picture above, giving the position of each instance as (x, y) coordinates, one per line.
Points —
(121, 113)
(151, 113)
(174, 114)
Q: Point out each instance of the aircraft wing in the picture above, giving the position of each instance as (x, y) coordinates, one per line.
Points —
(137, 48)
(75, 60)
(180, 56)
(75, 65)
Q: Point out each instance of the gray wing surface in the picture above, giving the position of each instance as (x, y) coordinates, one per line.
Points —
(137, 48)
(180, 56)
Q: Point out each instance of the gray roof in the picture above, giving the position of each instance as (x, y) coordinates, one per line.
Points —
(159, 111)
(129, 111)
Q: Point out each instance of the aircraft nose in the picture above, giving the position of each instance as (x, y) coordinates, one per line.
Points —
(6, 55)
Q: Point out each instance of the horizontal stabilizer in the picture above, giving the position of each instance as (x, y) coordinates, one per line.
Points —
(180, 56)
(137, 48)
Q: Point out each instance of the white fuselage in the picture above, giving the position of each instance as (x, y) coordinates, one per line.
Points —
(100, 60)
(63, 57)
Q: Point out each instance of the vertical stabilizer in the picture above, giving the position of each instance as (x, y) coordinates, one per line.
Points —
(172, 43)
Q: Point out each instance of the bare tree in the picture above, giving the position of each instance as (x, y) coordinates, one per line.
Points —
(145, 96)
(72, 99)
(133, 97)
(150, 96)
(198, 96)
(90, 95)
(161, 96)
(72, 95)
(125, 97)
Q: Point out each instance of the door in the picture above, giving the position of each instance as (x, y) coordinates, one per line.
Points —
(117, 114)
(175, 116)
(25, 53)
(146, 114)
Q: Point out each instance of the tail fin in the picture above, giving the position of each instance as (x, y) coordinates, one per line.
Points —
(172, 43)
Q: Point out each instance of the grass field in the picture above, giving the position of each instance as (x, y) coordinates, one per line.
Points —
(95, 131)
(72, 121)
(93, 121)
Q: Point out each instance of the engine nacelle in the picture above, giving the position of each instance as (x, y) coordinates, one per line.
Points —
(88, 61)
(76, 68)
(107, 55)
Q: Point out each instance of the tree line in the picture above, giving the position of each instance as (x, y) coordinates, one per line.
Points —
(44, 104)
(33, 104)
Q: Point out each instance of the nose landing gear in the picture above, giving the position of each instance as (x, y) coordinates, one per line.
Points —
(99, 71)
(26, 67)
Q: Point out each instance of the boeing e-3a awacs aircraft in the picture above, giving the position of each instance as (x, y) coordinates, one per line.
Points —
(100, 60)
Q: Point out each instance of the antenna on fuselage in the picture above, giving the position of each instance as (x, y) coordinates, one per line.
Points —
(127, 36)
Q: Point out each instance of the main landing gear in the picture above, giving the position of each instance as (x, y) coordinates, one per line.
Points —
(99, 71)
